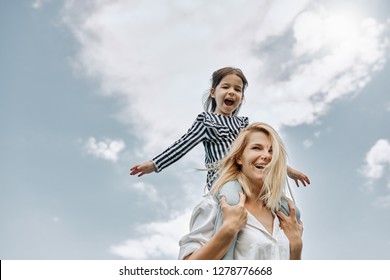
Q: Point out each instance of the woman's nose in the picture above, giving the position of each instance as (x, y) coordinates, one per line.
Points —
(267, 156)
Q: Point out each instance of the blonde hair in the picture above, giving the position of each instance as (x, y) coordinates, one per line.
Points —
(274, 174)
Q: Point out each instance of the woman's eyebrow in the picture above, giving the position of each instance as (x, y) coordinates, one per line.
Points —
(257, 145)
(253, 145)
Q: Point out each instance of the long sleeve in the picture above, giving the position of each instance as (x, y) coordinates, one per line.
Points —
(195, 135)
(201, 226)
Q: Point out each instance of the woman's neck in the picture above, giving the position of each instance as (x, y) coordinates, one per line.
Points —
(255, 200)
(255, 189)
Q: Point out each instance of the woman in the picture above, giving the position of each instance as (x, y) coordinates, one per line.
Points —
(257, 163)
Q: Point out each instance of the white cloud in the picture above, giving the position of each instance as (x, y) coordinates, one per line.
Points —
(383, 202)
(376, 161)
(150, 192)
(307, 143)
(278, 17)
(39, 3)
(159, 240)
(106, 149)
(377, 158)
(318, 134)
(322, 68)
(147, 189)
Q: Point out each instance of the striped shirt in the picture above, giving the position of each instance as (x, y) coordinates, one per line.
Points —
(216, 132)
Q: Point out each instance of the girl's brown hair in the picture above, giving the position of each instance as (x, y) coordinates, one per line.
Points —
(209, 103)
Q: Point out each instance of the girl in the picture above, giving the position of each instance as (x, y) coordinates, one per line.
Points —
(217, 127)
(257, 164)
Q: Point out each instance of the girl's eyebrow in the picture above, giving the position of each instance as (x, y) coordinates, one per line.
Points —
(228, 84)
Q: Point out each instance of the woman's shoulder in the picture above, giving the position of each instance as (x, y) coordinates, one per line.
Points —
(207, 206)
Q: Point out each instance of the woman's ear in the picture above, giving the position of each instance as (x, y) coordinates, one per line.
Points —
(238, 160)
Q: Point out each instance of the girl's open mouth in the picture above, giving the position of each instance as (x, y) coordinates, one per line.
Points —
(229, 102)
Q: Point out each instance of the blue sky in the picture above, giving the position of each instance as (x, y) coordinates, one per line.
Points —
(90, 89)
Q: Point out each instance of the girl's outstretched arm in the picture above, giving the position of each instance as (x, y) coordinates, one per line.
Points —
(297, 176)
(195, 135)
(144, 168)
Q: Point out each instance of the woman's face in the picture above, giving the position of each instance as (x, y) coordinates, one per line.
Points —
(256, 155)
(228, 94)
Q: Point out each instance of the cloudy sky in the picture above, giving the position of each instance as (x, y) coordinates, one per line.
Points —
(90, 88)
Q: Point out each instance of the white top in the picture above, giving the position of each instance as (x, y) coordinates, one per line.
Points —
(254, 242)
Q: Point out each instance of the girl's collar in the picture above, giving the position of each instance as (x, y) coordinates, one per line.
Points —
(222, 115)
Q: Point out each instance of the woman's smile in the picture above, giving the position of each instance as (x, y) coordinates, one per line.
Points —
(256, 156)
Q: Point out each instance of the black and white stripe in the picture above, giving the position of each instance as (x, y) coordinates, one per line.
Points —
(216, 132)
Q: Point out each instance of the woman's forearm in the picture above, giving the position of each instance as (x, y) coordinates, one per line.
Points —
(216, 247)
(296, 250)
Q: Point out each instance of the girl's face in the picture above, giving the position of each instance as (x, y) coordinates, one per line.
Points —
(228, 94)
(255, 156)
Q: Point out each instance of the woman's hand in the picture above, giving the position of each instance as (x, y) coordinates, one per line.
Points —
(293, 231)
(144, 168)
(234, 217)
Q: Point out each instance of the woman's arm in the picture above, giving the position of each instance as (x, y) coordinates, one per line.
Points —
(234, 219)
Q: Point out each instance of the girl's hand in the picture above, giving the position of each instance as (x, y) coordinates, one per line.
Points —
(144, 168)
(293, 231)
(297, 176)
